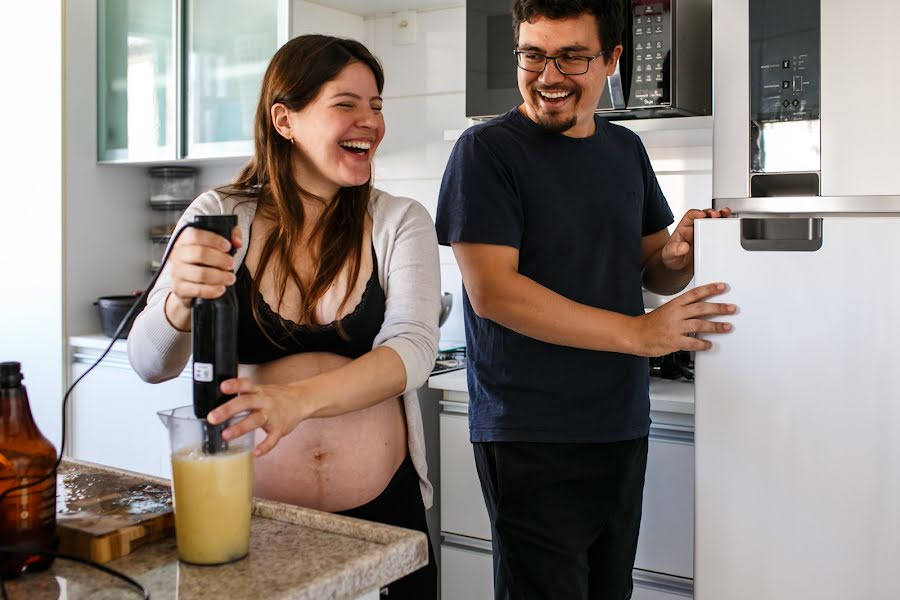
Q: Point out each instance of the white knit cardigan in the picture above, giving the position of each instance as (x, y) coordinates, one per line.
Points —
(409, 273)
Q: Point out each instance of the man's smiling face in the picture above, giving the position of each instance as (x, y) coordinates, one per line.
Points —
(558, 102)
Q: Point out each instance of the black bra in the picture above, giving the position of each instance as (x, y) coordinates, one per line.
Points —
(360, 326)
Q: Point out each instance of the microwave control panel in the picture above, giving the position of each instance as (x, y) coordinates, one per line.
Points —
(651, 48)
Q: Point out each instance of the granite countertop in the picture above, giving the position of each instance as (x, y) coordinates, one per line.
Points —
(666, 396)
(295, 553)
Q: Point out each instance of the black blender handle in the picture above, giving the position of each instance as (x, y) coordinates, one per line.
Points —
(214, 329)
(219, 224)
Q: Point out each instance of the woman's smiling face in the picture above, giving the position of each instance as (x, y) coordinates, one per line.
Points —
(335, 136)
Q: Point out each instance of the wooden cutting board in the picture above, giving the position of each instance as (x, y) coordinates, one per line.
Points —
(102, 516)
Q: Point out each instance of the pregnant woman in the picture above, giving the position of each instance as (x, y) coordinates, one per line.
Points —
(338, 289)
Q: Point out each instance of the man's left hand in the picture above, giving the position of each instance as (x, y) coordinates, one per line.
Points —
(678, 253)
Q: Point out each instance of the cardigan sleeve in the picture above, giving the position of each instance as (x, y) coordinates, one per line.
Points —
(412, 283)
(156, 350)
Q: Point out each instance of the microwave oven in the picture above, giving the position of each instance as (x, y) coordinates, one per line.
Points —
(665, 69)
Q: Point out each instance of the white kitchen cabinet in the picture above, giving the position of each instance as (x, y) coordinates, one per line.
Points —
(666, 543)
(181, 78)
(462, 504)
(112, 413)
(136, 80)
(228, 45)
(467, 570)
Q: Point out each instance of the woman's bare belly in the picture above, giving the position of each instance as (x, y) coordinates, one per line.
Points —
(333, 463)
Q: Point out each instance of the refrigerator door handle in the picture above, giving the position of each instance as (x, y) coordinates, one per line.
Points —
(781, 234)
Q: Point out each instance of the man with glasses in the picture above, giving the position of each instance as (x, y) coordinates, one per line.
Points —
(556, 218)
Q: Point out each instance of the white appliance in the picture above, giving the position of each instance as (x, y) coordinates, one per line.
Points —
(798, 409)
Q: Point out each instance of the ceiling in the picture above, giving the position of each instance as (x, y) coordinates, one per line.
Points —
(368, 8)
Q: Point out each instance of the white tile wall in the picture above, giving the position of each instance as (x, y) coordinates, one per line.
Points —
(425, 103)
(414, 145)
(424, 96)
(310, 17)
(435, 64)
(685, 191)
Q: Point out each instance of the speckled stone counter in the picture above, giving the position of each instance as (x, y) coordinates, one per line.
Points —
(295, 553)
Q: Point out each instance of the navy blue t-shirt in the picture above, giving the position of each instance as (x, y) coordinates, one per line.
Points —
(576, 209)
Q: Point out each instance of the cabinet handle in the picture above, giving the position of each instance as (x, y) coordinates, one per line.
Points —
(456, 408)
(465, 542)
(672, 436)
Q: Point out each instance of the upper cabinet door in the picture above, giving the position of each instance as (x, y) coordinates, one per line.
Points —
(228, 45)
(136, 80)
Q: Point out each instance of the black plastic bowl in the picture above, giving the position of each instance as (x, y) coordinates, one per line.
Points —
(113, 309)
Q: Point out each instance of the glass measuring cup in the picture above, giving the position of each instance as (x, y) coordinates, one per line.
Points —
(212, 492)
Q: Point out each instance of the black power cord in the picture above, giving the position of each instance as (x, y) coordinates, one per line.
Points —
(128, 316)
(132, 582)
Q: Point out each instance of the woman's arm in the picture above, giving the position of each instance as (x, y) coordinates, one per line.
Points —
(278, 409)
(401, 359)
(159, 344)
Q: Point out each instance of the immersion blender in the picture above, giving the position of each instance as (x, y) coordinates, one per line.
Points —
(214, 332)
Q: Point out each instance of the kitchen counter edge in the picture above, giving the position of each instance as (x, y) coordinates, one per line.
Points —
(666, 396)
(398, 551)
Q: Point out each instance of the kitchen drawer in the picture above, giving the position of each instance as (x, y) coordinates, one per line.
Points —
(666, 543)
(462, 505)
(467, 571)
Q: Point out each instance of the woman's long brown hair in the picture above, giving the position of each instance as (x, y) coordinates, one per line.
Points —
(294, 78)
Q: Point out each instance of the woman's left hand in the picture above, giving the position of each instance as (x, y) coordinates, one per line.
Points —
(269, 407)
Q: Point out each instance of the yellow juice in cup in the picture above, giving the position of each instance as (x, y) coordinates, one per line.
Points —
(213, 495)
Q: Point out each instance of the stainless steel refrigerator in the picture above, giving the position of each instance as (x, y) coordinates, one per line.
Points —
(797, 418)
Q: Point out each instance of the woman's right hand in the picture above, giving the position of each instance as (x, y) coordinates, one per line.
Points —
(200, 267)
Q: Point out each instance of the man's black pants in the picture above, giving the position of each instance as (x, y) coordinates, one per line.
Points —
(564, 517)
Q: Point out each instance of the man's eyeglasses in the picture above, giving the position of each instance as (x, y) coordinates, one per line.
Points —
(568, 64)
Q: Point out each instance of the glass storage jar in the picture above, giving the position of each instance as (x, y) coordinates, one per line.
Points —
(172, 184)
(164, 219)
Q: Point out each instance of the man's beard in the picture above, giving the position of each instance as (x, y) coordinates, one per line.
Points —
(554, 123)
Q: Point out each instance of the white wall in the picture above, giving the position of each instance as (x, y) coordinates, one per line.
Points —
(315, 18)
(424, 96)
(31, 209)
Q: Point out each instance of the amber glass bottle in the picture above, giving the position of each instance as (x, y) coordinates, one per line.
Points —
(27, 516)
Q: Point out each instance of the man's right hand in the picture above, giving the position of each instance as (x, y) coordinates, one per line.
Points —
(671, 326)
(201, 267)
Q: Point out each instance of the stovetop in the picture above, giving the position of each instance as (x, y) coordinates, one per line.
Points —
(677, 365)
(448, 360)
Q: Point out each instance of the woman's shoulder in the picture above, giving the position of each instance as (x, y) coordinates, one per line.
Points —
(219, 201)
(388, 209)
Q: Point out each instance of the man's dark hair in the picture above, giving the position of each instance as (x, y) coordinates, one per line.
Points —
(610, 15)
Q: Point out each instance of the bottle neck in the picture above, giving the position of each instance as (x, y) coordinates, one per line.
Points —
(15, 413)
